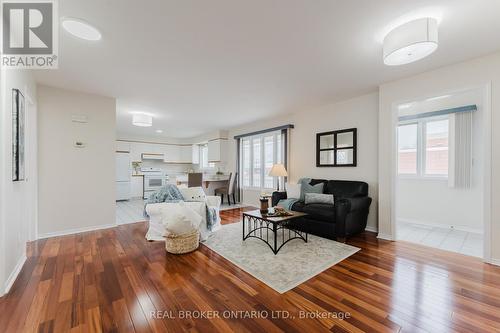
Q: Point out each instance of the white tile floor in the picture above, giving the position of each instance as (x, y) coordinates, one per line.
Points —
(131, 211)
(463, 242)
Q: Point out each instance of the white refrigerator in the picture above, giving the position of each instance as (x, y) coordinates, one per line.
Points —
(123, 174)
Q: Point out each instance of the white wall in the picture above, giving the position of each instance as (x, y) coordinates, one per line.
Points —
(360, 112)
(18, 207)
(470, 74)
(76, 185)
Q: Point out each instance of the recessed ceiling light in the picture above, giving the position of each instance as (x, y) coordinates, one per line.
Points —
(142, 120)
(411, 41)
(81, 29)
(159, 131)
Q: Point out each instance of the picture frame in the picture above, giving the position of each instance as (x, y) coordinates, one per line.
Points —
(18, 136)
(337, 148)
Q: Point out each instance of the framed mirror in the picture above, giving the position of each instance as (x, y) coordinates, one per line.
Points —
(336, 148)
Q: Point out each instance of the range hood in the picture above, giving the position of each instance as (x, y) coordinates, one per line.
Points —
(151, 156)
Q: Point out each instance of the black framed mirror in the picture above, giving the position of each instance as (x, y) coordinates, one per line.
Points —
(337, 148)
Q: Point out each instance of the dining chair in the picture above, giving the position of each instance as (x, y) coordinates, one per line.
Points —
(195, 179)
(228, 189)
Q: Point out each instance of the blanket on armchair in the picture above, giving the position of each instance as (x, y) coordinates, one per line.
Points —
(170, 193)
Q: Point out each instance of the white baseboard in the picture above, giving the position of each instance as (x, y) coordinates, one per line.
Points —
(440, 225)
(372, 229)
(385, 236)
(495, 262)
(75, 231)
(13, 275)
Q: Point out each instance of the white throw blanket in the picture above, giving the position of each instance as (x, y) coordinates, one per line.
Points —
(161, 216)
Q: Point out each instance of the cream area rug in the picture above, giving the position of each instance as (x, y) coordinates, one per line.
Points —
(294, 264)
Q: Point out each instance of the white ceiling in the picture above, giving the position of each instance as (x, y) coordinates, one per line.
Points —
(199, 65)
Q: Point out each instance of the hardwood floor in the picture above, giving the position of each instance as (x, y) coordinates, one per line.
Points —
(112, 280)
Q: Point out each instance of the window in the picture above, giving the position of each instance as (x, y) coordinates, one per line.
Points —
(258, 155)
(423, 147)
(407, 149)
(436, 147)
(204, 164)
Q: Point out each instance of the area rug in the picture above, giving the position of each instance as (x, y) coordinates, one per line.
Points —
(294, 264)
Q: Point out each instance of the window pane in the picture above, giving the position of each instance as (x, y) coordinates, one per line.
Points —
(204, 156)
(436, 147)
(245, 165)
(407, 149)
(257, 163)
(279, 157)
(268, 161)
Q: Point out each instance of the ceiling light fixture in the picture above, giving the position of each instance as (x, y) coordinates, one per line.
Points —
(142, 120)
(159, 131)
(81, 29)
(411, 41)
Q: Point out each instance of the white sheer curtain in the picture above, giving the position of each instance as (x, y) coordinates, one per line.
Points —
(460, 159)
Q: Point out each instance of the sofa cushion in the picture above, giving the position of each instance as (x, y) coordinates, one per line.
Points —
(322, 212)
(308, 188)
(346, 189)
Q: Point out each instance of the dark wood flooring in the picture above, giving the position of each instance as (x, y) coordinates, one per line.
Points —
(113, 280)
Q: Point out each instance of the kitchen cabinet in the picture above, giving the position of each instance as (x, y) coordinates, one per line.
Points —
(137, 186)
(186, 154)
(195, 154)
(217, 150)
(122, 146)
(171, 153)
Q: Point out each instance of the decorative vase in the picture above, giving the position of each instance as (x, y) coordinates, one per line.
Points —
(264, 205)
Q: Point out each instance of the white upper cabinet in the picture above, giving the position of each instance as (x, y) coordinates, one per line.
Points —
(217, 150)
(186, 154)
(195, 154)
(172, 153)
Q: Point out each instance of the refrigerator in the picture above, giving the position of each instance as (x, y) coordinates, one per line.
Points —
(123, 174)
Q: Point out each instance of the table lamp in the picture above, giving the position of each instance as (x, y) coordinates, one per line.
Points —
(278, 170)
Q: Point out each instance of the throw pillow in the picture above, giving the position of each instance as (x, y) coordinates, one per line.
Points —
(293, 190)
(319, 198)
(308, 188)
(193, 194)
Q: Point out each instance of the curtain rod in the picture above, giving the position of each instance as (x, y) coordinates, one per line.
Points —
(466, 108)
(264, 131)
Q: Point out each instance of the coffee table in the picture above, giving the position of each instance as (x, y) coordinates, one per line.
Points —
(267, 228)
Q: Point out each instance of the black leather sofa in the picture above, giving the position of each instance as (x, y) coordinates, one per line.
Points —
(346, 217)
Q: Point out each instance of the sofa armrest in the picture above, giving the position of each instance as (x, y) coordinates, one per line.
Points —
(347, 208)
(276, 197)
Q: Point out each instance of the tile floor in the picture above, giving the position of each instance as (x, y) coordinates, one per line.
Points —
(463, 242)
(130, 211)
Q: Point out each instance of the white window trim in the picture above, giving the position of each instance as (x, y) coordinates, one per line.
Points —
(422, 148)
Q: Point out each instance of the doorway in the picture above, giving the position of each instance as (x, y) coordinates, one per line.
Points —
(441, 190)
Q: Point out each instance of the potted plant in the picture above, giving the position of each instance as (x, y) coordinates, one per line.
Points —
(136, 165)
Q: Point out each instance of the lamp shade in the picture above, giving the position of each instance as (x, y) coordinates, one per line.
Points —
(278, 170)
(142, 120)
(411, 41)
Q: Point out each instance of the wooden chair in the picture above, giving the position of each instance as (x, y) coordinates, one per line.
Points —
(229, 189)
(195, 179)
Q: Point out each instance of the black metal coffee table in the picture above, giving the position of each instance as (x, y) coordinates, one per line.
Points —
(267, 228)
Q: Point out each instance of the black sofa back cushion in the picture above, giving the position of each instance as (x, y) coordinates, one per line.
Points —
(346, 189)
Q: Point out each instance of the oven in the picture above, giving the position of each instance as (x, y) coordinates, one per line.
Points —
(154, 179)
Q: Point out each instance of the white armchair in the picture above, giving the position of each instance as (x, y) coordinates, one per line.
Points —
(160, 219)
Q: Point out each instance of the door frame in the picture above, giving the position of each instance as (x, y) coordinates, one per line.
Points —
(487, 168)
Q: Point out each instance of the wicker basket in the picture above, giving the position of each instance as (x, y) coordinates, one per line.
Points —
(182, 244)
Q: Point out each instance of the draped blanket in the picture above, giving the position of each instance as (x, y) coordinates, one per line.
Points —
(170, 193)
